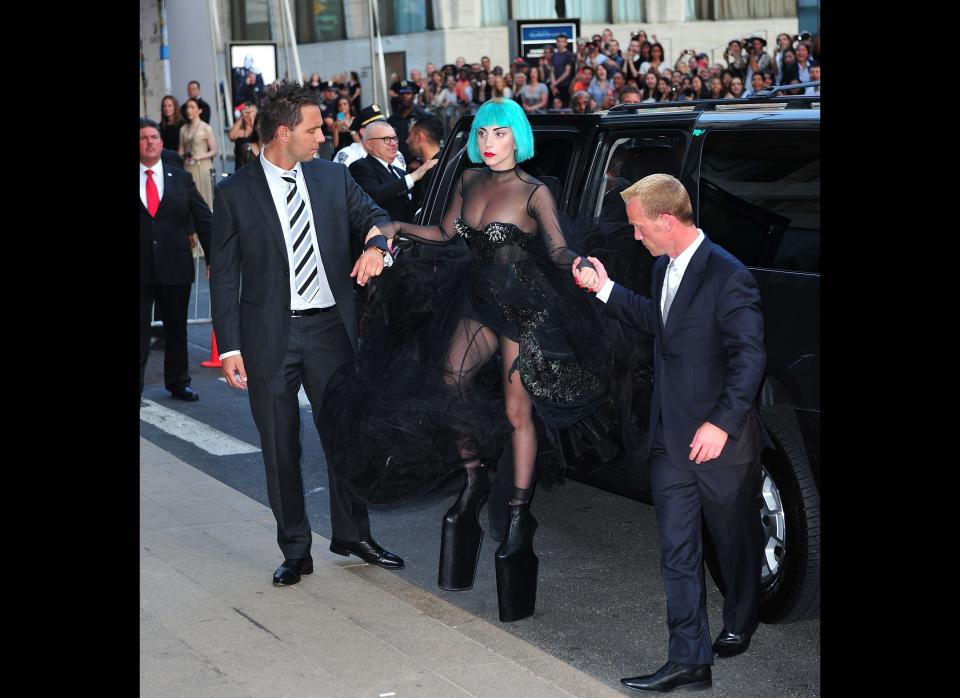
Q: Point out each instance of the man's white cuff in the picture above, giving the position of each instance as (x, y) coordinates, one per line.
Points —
(604, 293)
(229, 353)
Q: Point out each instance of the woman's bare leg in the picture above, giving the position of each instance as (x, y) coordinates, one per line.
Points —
(472, 347)
(519, 409)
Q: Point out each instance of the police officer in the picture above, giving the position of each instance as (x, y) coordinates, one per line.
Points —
(355, 151)
(408, 112)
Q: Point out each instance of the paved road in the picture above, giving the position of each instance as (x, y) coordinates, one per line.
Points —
(600, 603)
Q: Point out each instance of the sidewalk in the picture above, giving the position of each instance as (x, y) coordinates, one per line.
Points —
(212, 624)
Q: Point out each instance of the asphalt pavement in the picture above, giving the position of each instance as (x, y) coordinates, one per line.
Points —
(600, 602)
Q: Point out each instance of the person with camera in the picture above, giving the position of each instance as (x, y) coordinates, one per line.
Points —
(482, 88)
(632, 61)
(758, 60)
(241, 133)
(784, 41)
(735, 57)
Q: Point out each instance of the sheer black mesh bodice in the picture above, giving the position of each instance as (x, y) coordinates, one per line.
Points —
(500, 208)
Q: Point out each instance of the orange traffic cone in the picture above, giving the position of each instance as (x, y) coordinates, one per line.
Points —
(214, 361)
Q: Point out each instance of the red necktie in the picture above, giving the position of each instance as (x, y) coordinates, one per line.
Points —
(153, 196)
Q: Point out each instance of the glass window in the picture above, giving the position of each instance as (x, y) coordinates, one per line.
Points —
(534, 9)
(629, 11)
(320, 21)
(403, 16)
(760, 197)
(493, 13)
(250, 20)
(588, 10)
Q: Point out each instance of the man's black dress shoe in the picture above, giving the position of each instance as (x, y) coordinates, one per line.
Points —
(368, 551)
(289, 572)
(730, 644)
(673, 675)
(186, 393)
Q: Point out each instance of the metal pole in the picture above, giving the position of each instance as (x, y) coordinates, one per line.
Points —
(379, 86)
(291, 33)
(214, 42)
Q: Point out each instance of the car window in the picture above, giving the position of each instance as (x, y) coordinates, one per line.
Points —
(760, 196)
(631, 158)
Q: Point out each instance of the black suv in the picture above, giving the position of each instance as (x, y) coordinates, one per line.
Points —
(752, 168)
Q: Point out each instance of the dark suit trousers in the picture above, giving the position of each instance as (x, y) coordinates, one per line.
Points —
(173, 302)
(317, 346)
(727, 500)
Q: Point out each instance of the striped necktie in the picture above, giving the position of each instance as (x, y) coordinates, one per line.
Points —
(307, 273)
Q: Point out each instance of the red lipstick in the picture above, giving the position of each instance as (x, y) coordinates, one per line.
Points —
(488, 155)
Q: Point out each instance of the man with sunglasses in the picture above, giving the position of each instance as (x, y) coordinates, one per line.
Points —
(379, 175)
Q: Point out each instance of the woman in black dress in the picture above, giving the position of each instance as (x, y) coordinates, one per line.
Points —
(431, 401)
(170, 122)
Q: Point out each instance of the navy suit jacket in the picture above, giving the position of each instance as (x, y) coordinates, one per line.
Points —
(709, 360)
(390, 192)
(250, 276)
(166, 256)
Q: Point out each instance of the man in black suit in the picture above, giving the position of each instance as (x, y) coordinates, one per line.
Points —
(168, 199)
(284, 309)
(424, 144)
(387, 184)
(193, 92)
(706, 437)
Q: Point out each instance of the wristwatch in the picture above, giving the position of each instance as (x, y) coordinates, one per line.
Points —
(379, 243)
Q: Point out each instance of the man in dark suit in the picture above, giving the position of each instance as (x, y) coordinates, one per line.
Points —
(168, 199)
(284, 310)
(424, 144)
(193, 92)
(704, 314)
(387, 184)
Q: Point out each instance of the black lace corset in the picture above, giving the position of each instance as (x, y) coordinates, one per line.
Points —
(496, 243)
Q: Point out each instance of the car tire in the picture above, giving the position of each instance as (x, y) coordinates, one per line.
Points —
(790, 508)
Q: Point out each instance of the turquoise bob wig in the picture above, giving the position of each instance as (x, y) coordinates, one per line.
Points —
(502, 112)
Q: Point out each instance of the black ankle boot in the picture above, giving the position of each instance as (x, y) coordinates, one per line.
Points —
(461, 534)
(517, 566)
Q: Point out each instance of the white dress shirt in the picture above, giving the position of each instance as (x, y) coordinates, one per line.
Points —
(393, 173)
(158, 175)
(278, 190)
(680, 263)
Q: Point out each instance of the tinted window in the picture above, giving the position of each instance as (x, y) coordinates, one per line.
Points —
(760, 197)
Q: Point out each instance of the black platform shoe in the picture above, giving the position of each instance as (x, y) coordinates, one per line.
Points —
(461, 534)
(517, 566)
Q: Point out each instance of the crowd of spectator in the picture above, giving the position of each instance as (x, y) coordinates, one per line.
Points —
(596, 74)
(584, 76)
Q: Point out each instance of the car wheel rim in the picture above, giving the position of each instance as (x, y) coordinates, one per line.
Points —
(773, 519)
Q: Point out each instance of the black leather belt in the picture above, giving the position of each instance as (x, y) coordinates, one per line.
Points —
(311, 311)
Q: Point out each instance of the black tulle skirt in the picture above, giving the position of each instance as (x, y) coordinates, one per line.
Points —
(394, 425)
